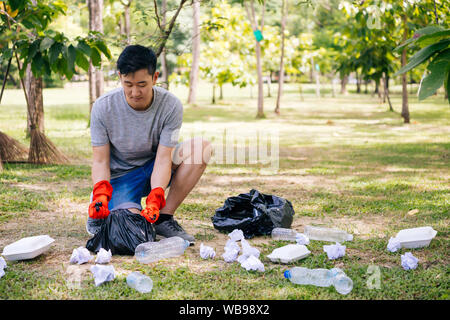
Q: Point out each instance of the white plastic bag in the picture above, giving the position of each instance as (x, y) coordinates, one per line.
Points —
(103, 256)
(207, 252)
(103, 273)
(394, 244)
(81, 255)
(236, 235)
(253, 263)
(334, 251)
(409, 262)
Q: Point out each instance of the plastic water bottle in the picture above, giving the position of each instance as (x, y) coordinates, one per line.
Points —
(284, 234)
(140, 282)
(327, 234)
(148, 252)
(320, 278)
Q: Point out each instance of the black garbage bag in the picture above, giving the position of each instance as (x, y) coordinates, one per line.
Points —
(254, 213)
(122, 232)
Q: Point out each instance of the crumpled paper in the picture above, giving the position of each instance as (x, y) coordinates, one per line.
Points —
(2, 266)
(231, 251)
(103, 256)
(81, 255)
(103, 273)
(248, 250)
(236, 235)
(253, 263)
(409, 262)
(394, 245)
(301, 238)
(334, 251)
(207, 252)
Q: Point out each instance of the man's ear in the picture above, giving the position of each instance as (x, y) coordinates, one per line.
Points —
(155, 77)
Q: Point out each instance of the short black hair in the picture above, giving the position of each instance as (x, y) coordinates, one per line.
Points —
(136, 57)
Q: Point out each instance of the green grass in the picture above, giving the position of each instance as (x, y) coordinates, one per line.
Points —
(344, 161)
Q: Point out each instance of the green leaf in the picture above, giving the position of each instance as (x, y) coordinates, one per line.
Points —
(439, 69)
(447, 86)
(72, 55)
(82, 61)
(46, 43)
(84, 47)
(95, 57)
(433, 81)
(54, 52)
(103, 48)
(418, 34)
(423, 55)
(33, 49)
(433, 38)
(37, 65)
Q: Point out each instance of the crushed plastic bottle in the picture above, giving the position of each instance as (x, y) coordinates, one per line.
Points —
(320, 278)
(148, 252)
(140, 282)
(327, 234)
(284, 234)
(289, 235)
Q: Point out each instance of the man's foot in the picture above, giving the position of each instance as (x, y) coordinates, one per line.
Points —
(93, 226)
(171, 228)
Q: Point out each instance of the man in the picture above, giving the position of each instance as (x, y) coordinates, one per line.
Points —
(136, 154)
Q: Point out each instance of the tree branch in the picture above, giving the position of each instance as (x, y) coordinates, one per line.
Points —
(166, 32)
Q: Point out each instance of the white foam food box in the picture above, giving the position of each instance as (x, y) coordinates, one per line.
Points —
(27, 248)
(289, 253)
(416, 237)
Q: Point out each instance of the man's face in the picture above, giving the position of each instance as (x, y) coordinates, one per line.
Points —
(138, 88)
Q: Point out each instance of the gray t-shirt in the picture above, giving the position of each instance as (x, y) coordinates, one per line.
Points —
(134, 135)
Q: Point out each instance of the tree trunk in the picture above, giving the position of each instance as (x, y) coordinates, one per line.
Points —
(358, 82)
(35, 115)
(165, 71)
(260, 113)
(344, 81)
(269, 82)
(214, 94)
(127, 23)
(252, 18)
(193, 76)
(281, 72)
(405, 107)
(96, 81)
(221, 92)
(386, 91)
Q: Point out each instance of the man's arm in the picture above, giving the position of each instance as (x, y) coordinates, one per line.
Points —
(162, 168)
(100, 164)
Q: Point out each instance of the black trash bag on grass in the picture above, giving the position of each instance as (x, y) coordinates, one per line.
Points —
(254, 213)
(122, 232)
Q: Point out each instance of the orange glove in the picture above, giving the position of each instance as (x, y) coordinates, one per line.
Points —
(154, 202)
(98, 209)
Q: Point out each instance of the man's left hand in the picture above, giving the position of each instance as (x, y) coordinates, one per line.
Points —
(155, 201)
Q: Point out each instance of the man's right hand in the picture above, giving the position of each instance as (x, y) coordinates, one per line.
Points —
(102, 193)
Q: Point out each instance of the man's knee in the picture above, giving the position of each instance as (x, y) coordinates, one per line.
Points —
(193, 151)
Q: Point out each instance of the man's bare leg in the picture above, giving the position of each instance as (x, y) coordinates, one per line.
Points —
(190, 163)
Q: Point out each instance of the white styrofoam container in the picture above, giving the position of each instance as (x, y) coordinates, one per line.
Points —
(289, 253)
(27, 248)
(416, 237)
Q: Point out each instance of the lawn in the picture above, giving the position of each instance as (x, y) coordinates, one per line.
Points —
(344, 162)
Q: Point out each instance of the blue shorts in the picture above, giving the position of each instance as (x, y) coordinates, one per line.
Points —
(129, 189)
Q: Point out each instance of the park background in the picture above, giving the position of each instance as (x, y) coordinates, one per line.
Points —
(361, 147)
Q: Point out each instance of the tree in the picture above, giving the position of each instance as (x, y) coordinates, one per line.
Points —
(96, 78)
(258, 28)
(46, 51)
(284, 5)
(194, 74)
(434, 42)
